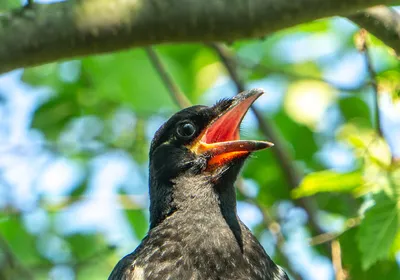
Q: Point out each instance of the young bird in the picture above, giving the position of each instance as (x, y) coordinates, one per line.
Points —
(195, 232)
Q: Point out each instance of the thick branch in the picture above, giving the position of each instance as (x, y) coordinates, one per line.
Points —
(47, 32)
(383, 23)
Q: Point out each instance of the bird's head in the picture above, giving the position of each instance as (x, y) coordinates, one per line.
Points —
(199, 144)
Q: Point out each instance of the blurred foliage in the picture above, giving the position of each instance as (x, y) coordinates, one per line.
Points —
(98, 108)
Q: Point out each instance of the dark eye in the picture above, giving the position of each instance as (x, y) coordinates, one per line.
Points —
(186, 130)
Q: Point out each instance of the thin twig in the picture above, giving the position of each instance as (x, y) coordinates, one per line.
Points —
(284, 159)
(337, 261)
(177, 95)
(364, 48)
(329, 236)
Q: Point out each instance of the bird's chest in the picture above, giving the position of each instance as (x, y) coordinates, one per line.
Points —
(210, 243)
(204, 248)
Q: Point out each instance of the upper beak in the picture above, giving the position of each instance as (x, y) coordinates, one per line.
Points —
(220, 140)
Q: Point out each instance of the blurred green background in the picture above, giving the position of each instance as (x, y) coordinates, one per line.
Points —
(74, 140)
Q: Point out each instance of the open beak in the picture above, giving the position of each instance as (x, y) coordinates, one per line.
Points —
(220, 140)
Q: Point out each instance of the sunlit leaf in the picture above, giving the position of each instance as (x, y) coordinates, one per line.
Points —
(306, 101)
(388, 81)
(328, 181)
(378, 230)
(368, 144)
(395, 248)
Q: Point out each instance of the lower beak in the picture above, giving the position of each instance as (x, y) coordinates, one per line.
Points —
(223, 152)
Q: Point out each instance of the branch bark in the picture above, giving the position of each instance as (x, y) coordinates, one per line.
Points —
(43, 33)
(383, 23)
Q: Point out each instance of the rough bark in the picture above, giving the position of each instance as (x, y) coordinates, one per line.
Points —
(43, 33)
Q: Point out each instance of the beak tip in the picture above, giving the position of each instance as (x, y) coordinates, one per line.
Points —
(252, 93)
(259, 145)
(257, 91)
(269, 144)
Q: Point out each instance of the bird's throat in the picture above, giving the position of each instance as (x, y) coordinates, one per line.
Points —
(198, 205)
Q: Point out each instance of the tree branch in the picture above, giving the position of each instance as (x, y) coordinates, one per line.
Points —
(49, 32)
(383, 23)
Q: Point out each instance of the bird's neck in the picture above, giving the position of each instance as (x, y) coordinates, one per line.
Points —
(191, 195)
(196, 201)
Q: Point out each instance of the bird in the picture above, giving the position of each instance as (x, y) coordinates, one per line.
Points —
(195, 232)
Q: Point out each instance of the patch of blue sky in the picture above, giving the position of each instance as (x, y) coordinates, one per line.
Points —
(301, 47)
(249, 214)
(306, 261)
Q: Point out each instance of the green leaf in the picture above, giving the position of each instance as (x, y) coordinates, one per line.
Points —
(20, 242)
(328, 181)
(292, 132)
(378, 230)
(9, 4)
(138, 221)
(193, 67)
(352, 261)
(43, 75)
(130, 79)
(338, 203)
(355, 109)
(86, 246)
(52, 116)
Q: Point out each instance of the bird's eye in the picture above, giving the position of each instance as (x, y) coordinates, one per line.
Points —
(186, 130)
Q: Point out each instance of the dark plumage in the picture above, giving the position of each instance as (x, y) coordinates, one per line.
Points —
(195, 232)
